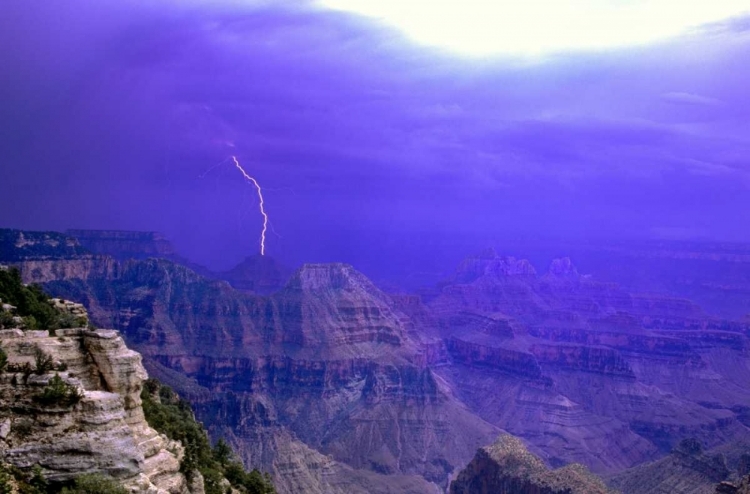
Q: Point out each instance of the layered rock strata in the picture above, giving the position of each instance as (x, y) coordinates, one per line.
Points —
(123, 244)
(582, 370)
(104, 432)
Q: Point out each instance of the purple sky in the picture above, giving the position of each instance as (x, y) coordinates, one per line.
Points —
(368, 145)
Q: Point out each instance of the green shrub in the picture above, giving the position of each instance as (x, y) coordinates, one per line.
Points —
(173, 416)
(22, 428)
(11, 476)
(6, 320)
(32, 305)
(95, 484)
(29, 322)
(30, 301)
(42, 362)
(58, 392)
(6, 482)
(212, 480)
(26, 370)
(68, 320)
(37, 483)
(250, 482)
(3, 360)
(222, 452)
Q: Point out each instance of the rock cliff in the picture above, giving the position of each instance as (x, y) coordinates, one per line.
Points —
(585, 371)
(329, 382)
(507, 467)
(103, 431)
(18, 245)
(257, 274)
(715, 275)
(123, 244)
(741, 487)
(688, 469)
(327, 367)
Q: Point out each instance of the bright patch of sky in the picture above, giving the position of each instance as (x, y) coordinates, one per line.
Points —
(536, 27)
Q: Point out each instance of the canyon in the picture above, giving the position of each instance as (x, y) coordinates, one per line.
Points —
(333, 385)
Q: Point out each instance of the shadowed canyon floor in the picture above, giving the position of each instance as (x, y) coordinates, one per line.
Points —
(335, 386)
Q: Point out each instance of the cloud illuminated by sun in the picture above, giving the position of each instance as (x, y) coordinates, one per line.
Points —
(486, 27)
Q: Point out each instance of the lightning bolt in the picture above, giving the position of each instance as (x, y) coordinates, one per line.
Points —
(266, 221)
(262, 204)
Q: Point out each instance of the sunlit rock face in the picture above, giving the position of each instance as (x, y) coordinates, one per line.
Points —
(105, 432)
(396, 389)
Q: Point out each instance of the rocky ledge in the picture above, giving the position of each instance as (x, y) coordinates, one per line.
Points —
(743, 487)
(70, 404)
(507, 467)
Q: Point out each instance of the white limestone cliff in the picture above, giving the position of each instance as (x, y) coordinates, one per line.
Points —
(105, 432)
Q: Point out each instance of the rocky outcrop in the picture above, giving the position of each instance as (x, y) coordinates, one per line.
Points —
(101, 431)
(19, 245)
(714, 275)
(488, 263)
(123, 244)
(332, 305)
(741, 487)
(47, 256)
(585, 358)
(485, 354)
(688, 469)
(563, 268)
(257, 274)
(602, 354)
(335, 365)
(507, 467)
(82, 268)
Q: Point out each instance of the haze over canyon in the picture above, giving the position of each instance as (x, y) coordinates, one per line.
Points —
(340, 247)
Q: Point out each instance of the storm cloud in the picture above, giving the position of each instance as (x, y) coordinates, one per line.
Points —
(368, 145)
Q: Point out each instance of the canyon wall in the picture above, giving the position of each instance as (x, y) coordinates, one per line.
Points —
(102, 431)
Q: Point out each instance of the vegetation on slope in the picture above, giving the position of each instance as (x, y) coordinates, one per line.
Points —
(31, 304)
(58, 392)
(15, 481)
(166, 412)
(95, 484)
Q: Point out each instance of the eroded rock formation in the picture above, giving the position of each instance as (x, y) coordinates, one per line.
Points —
(104, 432)
(123, 244)
(507, 467)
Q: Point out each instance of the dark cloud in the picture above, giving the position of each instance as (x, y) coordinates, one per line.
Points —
(112, 113)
